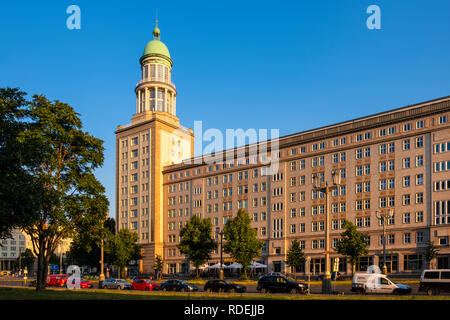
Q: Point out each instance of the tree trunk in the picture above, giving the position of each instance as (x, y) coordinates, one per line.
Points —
(41, 279)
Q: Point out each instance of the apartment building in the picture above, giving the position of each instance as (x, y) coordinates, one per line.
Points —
(397, 160)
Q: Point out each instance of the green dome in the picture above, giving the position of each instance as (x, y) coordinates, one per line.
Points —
(156, 47)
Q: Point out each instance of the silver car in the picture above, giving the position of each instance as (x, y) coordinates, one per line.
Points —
(116, 284)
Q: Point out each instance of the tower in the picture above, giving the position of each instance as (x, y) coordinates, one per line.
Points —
(152, 140)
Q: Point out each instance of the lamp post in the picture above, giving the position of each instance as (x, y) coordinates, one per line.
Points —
(221, 255)
(383, 216)
(101, 278)
(326, 189)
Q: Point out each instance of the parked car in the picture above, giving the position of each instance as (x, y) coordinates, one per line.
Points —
(57, 280)
(119, 284)
(223, 286)
(364, 283)
(144, 284)
(434, 282)
(178, 285)
(85, 284)
(276, 283)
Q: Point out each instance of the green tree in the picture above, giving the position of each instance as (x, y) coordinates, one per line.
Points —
(196, 241)
(352, 244)
(27, 259)
(159, 263)
(60, 161)
(123, 248)
(431, 252)
(85, 247)
(241, 240)
(295, 256)
(19, 190)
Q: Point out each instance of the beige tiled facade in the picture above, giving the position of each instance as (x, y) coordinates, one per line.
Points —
(386, 161)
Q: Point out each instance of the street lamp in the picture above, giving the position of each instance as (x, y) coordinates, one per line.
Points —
(326, 189)
(101, 278)
(221, 255)
(383, 217)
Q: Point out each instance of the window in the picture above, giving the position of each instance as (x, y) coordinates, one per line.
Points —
(419, 124)
(406, 144)
(419, 142)
(419, 216)
(407, 127)
(412, 262)
(442, 119)
(419, 161)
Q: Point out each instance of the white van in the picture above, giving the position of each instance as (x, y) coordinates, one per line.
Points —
(364, 283)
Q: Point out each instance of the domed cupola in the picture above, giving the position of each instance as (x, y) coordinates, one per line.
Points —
(155, 91)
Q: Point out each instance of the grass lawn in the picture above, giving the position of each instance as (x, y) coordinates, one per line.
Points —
(10, 293)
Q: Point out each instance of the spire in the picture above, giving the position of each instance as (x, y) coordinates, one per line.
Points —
(156, 32)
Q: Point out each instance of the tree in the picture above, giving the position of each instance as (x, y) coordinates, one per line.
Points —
(123, 248)
(241, 240)
(159, 263)
(295, 256)
(85, 247)
(60, 161)
(352, 244)
(431, 252)
(27, 259)
(196, 241)
(19, 190)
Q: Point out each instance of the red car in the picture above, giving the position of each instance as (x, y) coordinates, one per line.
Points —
(57, 280)
(144, 284)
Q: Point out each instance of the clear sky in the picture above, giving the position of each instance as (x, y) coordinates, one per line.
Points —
(291, 65)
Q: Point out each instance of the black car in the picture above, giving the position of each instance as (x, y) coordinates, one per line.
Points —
(275, 284)
(223, 286)
(177, 285)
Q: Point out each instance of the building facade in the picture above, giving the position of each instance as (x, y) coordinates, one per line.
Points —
(396, 160)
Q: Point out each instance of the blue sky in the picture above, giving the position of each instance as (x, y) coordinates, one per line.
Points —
(292, 65)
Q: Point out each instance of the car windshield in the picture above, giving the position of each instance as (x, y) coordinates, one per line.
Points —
(122, 281)
(148, 281)
(290, 279)
(184, 282)
(227, 282)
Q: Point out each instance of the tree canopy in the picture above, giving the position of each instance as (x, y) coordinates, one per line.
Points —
(241, 240)
(196, 241)
(352, 244)
(56, 160)
(295, 255)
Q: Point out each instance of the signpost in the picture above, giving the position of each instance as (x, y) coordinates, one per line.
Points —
(308, 261)
(335, 270)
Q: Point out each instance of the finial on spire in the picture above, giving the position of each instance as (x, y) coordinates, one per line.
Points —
(156, 32)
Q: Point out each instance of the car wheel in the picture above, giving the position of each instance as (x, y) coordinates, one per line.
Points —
(294, 291)
(265, 290)
(433, 292)
(233, 290)
(362, 291)
(397, 292)
(164, 289)
(147, 289)
(208, 290)
(184, 290)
